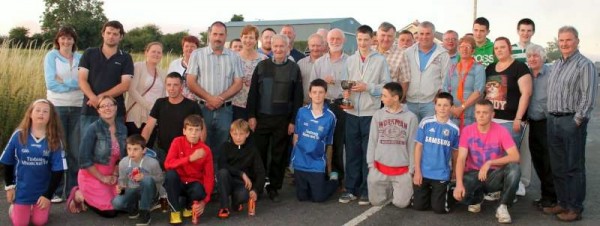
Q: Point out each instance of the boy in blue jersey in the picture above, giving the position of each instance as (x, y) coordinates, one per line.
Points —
(437, 138)
(313, 137)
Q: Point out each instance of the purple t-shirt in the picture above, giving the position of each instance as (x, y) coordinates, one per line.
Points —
(484, 146)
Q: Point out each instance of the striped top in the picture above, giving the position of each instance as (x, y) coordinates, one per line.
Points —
(398, 64)
(518, 52)
(572, 86)
(215, 73)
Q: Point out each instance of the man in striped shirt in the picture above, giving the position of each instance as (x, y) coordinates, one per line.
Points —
(525, 30)
(395, 56)
(571, 96)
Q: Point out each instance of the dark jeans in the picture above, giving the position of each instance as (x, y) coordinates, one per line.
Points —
(566, 142)
(218, 123)
(133, 129)
(271, 131)
(69, 117)
(239, 113)
(146, 194)
(339, 136)
(505, 179)
(538, 146)
(313, 186)
(231, 186)
(193, 191)
(357, 133)
(431, 194)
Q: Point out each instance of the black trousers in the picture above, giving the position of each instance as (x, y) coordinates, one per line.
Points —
(431, 194)
(231, 186)
(339, 137)
(538, 146)
(271, 136)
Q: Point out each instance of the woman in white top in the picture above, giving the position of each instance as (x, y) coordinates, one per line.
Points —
(60, 73)
(146, 86)
(188, 44)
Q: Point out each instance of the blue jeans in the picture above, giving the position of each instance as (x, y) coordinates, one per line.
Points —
(357, 133)
(422, 110)
(146, 194)
(517, 137)
(218, 123)
(505, 179)
(566, 146)
(69, 117)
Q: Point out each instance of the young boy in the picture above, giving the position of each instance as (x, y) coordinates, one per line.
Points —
(241, 172)
(190, 172)
(437, 138)
(140, 177)
(313, 138)
(389, 154)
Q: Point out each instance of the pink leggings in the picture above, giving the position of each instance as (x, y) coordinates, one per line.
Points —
(22, 214)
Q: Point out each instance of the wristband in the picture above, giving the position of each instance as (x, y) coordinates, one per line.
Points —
(9, 187)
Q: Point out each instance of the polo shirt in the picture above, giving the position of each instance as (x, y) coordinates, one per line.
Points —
(314, 132)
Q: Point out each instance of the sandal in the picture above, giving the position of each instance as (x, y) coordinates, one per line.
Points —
(72, 205)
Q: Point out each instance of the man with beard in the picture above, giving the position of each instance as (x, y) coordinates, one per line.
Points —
(265, 41)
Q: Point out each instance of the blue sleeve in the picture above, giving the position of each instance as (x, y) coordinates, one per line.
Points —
(297, 122)
(8, 155)
(454, 141)
(86, 147)
(479, 79)
(58, 161)
(331, 130)
(73, 83)
(421, 133)
(50, 74)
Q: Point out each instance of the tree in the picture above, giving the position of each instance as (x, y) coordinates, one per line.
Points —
(203, 39)
(137, 38)
(172, 42)
(86, 16)
(237, 17)
(552, 51)
(19, 36)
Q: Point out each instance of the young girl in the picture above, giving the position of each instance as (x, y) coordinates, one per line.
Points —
(34, 161)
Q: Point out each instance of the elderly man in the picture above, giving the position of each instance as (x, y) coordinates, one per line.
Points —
(215, 76)
(405, 39)
(571, 97)
(395, 57)
(537, 111)
(265, 41)
(450, 40)
(525, 29)
(315, 44)
(429, 64)
(288, 30)
(331, 67)
(274, 97)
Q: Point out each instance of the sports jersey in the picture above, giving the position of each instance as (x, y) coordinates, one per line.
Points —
(438, 140)
(314, 134)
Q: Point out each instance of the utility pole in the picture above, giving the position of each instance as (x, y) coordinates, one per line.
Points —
(474, 10)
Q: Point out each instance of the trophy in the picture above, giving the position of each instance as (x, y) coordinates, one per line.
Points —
(347, 85)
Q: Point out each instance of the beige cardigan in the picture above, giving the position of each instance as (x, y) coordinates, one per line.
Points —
(139, 112)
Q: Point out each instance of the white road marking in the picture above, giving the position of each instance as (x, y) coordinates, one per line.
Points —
(363, 216)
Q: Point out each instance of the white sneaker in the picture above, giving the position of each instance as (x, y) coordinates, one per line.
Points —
(521, 190)
(56, 199)
(475, 208)
(503, 215)
(492, 196)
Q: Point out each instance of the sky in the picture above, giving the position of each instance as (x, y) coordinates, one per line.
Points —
(196, 15)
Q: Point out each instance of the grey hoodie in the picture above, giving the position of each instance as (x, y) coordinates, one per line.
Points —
(375, 73)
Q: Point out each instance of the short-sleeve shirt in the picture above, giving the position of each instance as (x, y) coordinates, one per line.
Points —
(215, 72)
(502, 89)
(104, 74)
(438, 140)
(314, 134)
(34, 164)
(484, 146)
(169, 118)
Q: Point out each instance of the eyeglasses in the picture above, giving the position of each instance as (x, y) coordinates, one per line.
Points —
(465, 47)
(106, 106)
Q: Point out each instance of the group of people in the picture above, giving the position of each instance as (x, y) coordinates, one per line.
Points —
(427, 123)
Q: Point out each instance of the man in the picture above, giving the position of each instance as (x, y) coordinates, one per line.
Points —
(331, 67)
(105, 71)
(484, 50)
(525, 29)
(405, 39)
(450, 40)
(215, 76)
(235, 45)
(370, 72)
(429, 65)
(265, 41)
(288, 30)
(571, 97)
(272, 106)
(487, 162)
(537, 111)
(323, 32)
(315, 45)
(395, 57)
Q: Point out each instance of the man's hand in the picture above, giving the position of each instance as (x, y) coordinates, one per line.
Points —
(290, 129)
(484, 170)
(214, 103)
(200, 207)
(247, 181)
(359, 87)
(198, 154)
(517, 126)
(417, 178)
(43, 202)
(93, 101)
(329, 79)
(10, 195)
(252, 123)
(459, 192)
(139, 177)
(253, 195)
(118, 189)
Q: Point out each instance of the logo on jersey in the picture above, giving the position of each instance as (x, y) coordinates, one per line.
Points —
(432, 130)
(446, 132)
(320, 128)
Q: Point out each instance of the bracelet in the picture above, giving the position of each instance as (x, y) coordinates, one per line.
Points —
(9, 187)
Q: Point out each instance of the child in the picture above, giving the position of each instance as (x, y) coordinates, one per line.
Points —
(389, 154)
(34, 162)
(190, 172)
(313, 138)
(140, 177)
(437, 138)
(241, 172)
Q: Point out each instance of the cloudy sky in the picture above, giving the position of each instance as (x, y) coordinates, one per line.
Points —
(196, 15)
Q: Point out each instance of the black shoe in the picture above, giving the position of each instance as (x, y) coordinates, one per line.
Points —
(274, 196)
(134, 214)
(144, 218)
(543, 203)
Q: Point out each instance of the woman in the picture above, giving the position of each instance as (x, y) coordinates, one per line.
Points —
(146, 86)
(188, 44)
(250, 58)
(103, 144)
(60, 73)
(465, 81)
(509, 87)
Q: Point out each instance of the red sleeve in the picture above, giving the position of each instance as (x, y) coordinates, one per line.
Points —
(209, 175)
(172, 161)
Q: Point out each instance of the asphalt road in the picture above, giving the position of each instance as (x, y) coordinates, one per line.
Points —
(292, 212)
